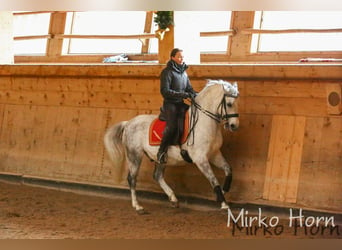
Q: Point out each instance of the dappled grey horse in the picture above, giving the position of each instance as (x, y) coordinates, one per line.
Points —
(128, 141)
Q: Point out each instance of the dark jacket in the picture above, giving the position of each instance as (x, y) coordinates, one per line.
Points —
(174, 83)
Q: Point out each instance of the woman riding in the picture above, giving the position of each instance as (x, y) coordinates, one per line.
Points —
(175, 86)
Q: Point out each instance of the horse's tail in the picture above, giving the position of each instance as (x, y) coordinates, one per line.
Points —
(113, 142)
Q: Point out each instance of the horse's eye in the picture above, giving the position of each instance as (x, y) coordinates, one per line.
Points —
(229, 105)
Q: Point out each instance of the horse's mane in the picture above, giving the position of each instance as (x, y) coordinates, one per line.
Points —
(231, 89)
(211, 82)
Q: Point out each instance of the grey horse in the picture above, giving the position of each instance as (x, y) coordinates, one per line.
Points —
(129, 141)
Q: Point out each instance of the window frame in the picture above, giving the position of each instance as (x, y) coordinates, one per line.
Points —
(238, 48)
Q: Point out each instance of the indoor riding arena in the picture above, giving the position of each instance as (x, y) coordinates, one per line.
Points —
(67, 76)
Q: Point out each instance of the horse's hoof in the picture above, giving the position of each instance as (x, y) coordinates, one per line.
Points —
(174, 204)
(141, 211)
(224, 206)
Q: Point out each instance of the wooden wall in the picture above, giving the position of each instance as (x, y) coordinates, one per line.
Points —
(287, 152)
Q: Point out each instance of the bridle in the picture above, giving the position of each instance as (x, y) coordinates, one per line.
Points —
(218, 117)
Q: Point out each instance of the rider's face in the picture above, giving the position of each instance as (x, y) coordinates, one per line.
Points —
(178, 58)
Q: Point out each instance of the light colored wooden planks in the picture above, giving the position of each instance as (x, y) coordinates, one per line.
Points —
(295, 159)
(125, 101)
(240, 71)
(55, 84)
(5, 83)
(73, 84)
(283, 106)
(290, 89)
(278, 158)
(15, 138)
(321, 172)
(284, 158)
(217, 33)
(86, 150)
(266, 97)
(133, 36)
(122, 85)
(62, 143)
(83, 99)
(246, 152)
(44, 98)
(19, 38)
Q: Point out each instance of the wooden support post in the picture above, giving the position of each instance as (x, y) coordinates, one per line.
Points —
(240, 43)
(147, 29)
(57, 26)
(166, 45)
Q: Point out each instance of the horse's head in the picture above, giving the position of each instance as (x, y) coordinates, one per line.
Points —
(229, 105)
(225, 95)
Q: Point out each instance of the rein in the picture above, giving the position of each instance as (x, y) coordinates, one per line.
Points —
(217, 117)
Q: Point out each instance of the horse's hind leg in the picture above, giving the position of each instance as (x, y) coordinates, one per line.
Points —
(134, 161)
(158, 175)
(219, 161)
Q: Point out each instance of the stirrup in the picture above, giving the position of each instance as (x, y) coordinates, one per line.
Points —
(162, 157)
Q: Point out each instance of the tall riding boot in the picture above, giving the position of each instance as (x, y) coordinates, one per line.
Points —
(169, 133)
(165, 142)
(162, 153)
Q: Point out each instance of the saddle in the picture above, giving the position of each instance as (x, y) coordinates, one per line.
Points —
(157, 127)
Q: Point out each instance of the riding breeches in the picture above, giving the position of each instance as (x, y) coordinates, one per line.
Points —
(174, 115)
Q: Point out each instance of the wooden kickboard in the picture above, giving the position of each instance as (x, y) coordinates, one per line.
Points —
(284, 158)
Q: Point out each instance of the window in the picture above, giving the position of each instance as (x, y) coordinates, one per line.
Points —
(277, 39)
(104, 23)
(214, 21)
(27, 24)
(84, 37)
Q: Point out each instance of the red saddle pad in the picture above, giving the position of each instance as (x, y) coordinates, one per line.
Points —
(157, 127)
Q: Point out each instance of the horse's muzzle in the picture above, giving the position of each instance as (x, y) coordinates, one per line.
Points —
(231, 126)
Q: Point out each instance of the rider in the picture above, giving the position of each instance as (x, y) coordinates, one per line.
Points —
(174, 87)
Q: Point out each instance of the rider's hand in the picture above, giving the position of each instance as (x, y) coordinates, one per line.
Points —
(186, 95)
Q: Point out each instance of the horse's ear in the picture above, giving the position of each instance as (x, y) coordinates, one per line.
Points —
(208, 82)
(235, 89)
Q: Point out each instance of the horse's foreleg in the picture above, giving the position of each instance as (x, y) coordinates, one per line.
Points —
(205, 168)
(219, 161)
(158, 175)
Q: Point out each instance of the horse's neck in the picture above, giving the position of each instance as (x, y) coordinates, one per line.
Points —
(210, 99)
(209, 102)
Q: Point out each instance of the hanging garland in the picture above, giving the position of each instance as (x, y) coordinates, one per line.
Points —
(163, 19)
